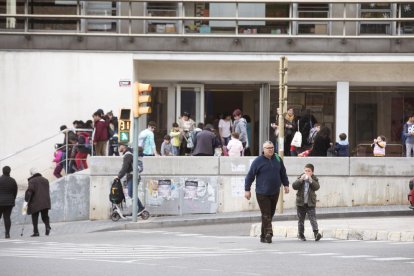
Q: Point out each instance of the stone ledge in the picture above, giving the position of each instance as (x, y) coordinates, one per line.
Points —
(340, 234)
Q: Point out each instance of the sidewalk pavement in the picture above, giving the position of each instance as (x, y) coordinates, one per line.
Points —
(334, 222)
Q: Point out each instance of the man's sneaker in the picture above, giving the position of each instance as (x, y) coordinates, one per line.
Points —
(140, 212)
(268, 238)
(262, 239)
(48, 231)
(318, 236)
(301, 237)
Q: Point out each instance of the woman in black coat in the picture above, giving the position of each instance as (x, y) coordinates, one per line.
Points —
(38, 198)
(8, 192)
(321, 143)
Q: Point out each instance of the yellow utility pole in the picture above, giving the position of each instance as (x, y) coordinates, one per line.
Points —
(283, 93)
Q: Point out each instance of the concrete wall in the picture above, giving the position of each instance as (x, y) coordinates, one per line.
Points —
(69, 197)
(42, 90)
(344, 182)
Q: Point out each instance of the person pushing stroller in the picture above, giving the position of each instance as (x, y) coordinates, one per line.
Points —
(127, 168)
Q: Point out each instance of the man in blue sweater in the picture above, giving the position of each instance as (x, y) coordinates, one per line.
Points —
(270, 174)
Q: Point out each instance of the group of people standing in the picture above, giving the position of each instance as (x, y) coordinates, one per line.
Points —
(315, 140)
(37, 200)
(228, 138)
(98, 137)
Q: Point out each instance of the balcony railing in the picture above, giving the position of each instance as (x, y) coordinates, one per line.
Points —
(211, 18)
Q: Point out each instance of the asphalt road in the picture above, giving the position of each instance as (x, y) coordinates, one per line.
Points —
(199, 250)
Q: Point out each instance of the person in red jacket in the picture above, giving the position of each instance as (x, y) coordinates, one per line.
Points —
(100, 134)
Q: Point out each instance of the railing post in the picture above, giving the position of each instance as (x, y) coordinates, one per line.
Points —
(67, 151)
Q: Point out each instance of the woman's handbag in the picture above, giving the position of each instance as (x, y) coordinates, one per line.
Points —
(297, 139)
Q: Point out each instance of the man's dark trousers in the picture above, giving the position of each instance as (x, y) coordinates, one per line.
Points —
(267, 205)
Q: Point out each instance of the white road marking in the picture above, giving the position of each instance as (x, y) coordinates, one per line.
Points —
(339, 241)
(115, 253)
(355, 256)
(320, 254)
(392, 259)
(246, 273)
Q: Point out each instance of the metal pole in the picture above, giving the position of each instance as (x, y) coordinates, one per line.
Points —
(282, 111)
(67, 151)
(135, 171)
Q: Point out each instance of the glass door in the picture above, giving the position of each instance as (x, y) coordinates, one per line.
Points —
(190, 98)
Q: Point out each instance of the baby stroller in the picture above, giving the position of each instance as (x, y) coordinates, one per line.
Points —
(116, 196)
(411, 194)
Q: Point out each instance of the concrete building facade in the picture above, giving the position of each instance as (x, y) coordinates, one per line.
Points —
(350, 65)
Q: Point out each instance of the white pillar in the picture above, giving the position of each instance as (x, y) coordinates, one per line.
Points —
(264, 118)
(11, 9)
(342, 109)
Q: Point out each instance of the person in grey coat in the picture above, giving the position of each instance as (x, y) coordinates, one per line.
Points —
(38, 198)
(240, 127)
(8, 192)
(205, 142)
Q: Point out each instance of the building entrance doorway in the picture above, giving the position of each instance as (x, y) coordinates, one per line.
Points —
(221, 99)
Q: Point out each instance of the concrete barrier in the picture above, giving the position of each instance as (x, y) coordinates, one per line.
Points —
(69, 196)
(345, 182)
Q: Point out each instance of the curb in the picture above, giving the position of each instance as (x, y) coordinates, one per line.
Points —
(340, 234)
(164, 222)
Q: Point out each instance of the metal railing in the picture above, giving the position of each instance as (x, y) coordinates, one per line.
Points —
(350, 24)
(67, 147)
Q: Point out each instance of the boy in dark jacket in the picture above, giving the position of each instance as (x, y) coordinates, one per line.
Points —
(306, 185)
(342, 147)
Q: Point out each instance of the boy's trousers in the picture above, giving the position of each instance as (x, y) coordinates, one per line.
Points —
(302, 211)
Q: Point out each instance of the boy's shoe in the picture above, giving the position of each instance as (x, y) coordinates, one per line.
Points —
(48, 231)
(318, 236)
(268, 238)
(262, 239)
(301, 237)
(35, 235)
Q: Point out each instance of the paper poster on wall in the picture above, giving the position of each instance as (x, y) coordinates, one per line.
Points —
(164, 188)
(190, 189)
(153, 187)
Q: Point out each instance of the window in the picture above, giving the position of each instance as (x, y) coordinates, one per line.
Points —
(313, 11)
(49, 7)
(375, 10)
(268, 10)
(7, 7)
(254, 10)
(104, 9)
(160, 9)
(407, 10)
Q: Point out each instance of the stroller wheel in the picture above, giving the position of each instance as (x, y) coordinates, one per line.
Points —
(145, 215)
(115, 216)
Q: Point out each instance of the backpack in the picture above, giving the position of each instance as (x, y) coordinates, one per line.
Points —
(84, 144)
(116, 195)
